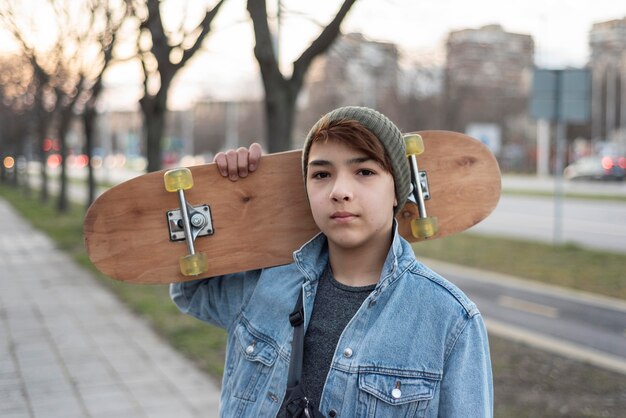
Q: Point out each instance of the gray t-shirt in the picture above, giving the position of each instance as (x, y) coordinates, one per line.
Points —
(335, 305)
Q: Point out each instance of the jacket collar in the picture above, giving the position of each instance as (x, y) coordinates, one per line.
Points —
(312, 258)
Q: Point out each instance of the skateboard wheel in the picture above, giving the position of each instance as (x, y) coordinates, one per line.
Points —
(424, 227)
(414, 144)
(178, 179)
(194, 264)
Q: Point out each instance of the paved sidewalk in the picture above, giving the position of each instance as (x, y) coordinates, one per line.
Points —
(68, 348)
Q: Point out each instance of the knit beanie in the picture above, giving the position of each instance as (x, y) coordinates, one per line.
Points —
(387, 133)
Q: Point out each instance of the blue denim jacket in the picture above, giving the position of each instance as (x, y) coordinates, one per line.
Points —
(417, 347)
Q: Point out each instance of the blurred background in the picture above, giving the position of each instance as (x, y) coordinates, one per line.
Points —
(144, 87)
(93, 93)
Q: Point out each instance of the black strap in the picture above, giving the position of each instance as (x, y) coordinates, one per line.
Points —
(296, 318)
(297, 405)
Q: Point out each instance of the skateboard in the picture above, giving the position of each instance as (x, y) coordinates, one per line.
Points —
(189, 223)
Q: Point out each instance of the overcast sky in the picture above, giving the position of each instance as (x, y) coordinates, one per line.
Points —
(559, 28)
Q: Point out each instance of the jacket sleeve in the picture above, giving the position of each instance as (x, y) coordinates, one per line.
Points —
(216, 300)
(467, 385)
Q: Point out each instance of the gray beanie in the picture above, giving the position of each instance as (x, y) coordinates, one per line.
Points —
(387, 133)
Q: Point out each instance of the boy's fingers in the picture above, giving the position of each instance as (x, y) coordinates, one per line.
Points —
(254, 156)
(231, 162)
(242, 161)
(238, 163)
(222, 165)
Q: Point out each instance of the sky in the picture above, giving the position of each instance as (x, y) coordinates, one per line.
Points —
(419, 27)
(227, 69)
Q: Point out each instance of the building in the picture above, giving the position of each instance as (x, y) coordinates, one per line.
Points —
(354, 71)
(487, 79)
(219, 125)
(607, 41)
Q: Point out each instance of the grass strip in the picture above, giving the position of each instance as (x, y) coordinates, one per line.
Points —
(565, 265)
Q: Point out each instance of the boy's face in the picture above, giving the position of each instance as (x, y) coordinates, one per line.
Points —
(351, 196)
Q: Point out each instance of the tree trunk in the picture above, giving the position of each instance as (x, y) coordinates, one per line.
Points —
(89, 117)
(66, 118)
(281, 93)
(42, 133)
(154, 109)
(280, 112)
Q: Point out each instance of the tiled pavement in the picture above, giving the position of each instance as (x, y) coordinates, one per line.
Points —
(68, 348)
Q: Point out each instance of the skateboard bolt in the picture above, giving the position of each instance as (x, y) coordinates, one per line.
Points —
(197, 220)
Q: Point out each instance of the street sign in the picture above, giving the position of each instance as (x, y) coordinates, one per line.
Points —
(561, 95)
(575, 100)
(543, 97)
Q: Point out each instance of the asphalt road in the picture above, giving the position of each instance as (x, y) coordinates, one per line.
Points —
(589, 327)
(593, 224)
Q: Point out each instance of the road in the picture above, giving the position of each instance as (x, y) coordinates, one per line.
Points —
(588, 327)
(589, 223)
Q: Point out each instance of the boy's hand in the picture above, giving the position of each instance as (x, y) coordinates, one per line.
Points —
(238, 163)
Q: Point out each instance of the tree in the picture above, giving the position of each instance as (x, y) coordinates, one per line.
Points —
(43, 66)
(282, 92)
(67, 72)
(16, 98)
(111, 18)
(163, 53)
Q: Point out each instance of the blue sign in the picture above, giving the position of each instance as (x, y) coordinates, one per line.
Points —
(562, 95)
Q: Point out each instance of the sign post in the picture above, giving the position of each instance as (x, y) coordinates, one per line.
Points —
(560, 96)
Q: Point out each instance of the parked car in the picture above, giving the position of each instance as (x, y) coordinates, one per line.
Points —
(597, 168)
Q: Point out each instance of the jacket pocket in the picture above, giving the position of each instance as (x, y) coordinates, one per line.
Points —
(389, 394)
(253, 357)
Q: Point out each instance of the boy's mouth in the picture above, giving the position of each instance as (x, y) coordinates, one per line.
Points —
(343, 216)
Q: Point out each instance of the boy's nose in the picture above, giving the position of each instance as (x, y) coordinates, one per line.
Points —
(341, 191)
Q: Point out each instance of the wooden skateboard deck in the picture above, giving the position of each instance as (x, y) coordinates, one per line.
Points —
(259, 221)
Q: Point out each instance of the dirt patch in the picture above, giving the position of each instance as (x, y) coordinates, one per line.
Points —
(533, 383)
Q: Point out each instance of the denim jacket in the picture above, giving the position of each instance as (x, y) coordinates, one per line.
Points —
(417, 347)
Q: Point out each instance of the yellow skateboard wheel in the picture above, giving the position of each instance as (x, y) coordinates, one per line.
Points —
(424, 227)
(194, 264)
(414, 144)
(178, 179)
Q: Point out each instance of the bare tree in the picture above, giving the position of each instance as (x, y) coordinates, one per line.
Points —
(43, 66)
(16, 99)
(163, 53)
(67, 71)
(111, 17)
(282, 92)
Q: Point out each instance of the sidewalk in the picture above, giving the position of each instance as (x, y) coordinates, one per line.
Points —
(69, 348)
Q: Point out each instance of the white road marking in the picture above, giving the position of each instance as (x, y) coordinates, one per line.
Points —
(530, 307)
(558, 346)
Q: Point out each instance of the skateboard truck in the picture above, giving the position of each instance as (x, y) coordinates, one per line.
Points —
(425, 226)
(199, 218)
(194, 222)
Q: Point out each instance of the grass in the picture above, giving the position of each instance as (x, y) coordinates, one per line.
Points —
(527, 382)
(565, 265)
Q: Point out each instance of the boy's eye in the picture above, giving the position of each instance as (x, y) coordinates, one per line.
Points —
(320, 175)
(366, 172)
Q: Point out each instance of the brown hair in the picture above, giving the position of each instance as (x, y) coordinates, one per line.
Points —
(354, 135)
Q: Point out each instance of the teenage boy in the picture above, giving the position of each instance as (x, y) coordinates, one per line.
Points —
(385, 335)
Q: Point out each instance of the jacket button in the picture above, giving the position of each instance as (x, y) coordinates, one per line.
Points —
(332, 413)
(396, 393)
(347, 353)
(250, 349)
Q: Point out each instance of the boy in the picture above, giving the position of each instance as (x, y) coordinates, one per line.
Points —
(385, 336)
